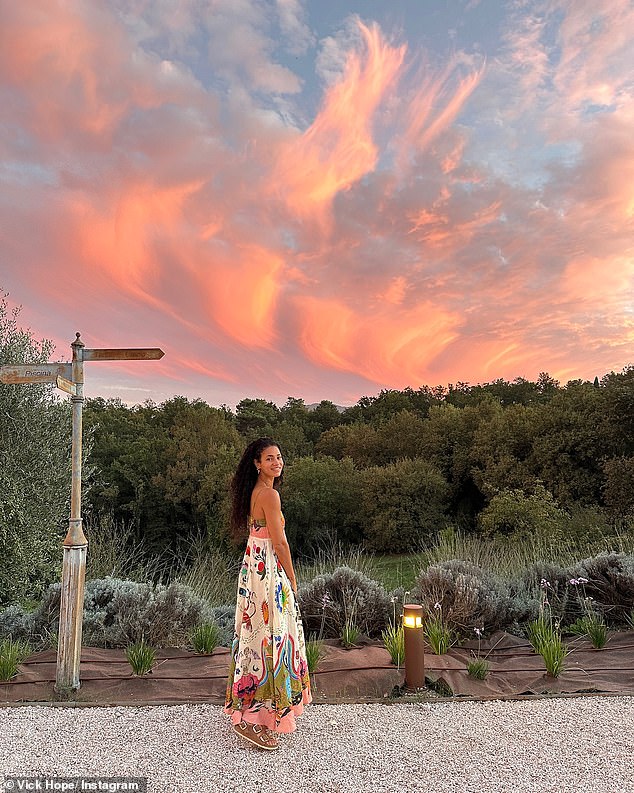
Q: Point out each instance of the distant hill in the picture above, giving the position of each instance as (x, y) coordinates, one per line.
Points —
(314, 405)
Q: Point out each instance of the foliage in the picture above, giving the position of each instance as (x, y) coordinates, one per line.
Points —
(315, 652)
(209, 572)
(12, 653)
(349, 634)
(35, 473)
(544, 633)
(554, 652)
(330, 600)
(466, 595)
(520, 515)
(141, 658)
(329, 556)
(531, 454)
(591, 624)
(478, 668)
(403, 505)
(610, 582)
(394, 640)
(205, 637)
(321, 498)
(438, 633)
(118, 612)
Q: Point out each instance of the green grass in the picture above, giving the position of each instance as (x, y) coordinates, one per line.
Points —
(394, 641)
(508, 558)
(315, 651)
(554, 653)
(350, 634)
(396, 571)
(11, 656)
(439, 635)
(478, 668)
(141, 658)
(205, 638)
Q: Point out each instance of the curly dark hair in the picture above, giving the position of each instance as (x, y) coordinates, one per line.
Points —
(243, 482)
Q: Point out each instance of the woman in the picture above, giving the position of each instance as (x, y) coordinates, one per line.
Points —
(268, 681)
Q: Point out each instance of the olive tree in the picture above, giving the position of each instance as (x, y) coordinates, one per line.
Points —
(35, 469)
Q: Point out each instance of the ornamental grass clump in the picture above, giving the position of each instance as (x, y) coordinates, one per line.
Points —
(12, 653)
(141, 658)
(350, 634)
(478, 668)
(394, 641)
(554, 652)
(205, 637)
(591, 624)
(545, 635)
(315, 652)
(439, 635)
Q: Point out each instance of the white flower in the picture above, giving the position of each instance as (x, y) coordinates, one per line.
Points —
(437, 606)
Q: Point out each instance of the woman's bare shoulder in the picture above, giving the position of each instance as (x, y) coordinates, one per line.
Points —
(270, 497)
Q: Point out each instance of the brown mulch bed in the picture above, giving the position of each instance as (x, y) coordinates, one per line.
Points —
(363, 673)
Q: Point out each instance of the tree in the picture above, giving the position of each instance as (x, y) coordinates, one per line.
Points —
(35, 469)
(524, 516)
(403, 505)
(321, 500)
(256, 418)
(618, 490)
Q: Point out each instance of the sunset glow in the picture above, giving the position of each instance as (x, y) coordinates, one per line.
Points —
(307, 199)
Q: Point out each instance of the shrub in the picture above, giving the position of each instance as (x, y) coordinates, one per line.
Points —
(225, 617)
(15, 623)
(467, 595)
(610, 582)
(515, 513)
(327, 602)
(117, 613)
(403, 504)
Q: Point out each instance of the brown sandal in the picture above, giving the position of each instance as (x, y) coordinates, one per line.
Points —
(256, 734)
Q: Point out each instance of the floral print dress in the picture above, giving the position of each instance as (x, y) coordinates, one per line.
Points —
(268, 680)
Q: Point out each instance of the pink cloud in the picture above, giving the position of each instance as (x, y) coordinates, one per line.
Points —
(396, 236)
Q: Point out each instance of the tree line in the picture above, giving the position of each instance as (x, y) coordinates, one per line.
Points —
(388, 472)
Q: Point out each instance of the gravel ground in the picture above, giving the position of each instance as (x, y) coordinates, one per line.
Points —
(584, 744)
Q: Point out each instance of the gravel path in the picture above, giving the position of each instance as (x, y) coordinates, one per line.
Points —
(558, 745)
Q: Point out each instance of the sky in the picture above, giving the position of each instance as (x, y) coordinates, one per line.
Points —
(320, 198)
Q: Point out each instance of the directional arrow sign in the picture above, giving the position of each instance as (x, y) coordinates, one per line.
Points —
(66, 385)
(35, 372)
(132, 354)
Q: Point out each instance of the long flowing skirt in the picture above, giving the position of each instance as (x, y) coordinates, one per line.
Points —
(268, 679)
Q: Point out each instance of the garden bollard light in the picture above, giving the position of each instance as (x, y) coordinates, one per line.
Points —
(414, 646)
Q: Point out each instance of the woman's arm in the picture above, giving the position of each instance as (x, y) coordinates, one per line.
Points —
(272, 506)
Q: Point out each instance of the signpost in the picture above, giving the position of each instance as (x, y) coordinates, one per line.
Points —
(69, 377)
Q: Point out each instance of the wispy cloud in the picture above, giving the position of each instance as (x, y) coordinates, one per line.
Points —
(168, 180)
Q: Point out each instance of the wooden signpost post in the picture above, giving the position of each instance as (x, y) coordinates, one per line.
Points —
(69, 377)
